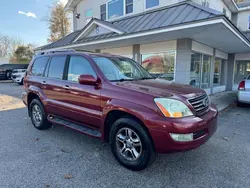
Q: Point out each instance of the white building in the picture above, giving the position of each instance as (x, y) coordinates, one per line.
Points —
(200, 42)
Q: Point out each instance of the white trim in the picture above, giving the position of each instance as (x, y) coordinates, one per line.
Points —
(100, 24)
(237, 34)
(158, 31)
(220, 54)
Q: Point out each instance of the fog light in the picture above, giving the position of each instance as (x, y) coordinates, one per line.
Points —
(182, 137)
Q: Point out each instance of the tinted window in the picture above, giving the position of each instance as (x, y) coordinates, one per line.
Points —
(78, 66)
(39, 66)
(152, 3)
(56, 67)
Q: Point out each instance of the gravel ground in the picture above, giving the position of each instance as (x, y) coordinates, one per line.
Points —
(59, 157)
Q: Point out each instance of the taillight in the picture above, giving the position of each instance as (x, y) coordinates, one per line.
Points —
(242, 86)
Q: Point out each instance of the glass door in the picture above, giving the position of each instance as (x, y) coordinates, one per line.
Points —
(206, 65)
(195, 71)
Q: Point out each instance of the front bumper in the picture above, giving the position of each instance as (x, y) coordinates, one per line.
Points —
(244, 96)
(202, 127)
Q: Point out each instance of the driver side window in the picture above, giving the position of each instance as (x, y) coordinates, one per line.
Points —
(77, 66)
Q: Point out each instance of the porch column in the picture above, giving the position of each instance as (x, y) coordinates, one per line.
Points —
(230, 72)
(212, 71)
(136, 53)
(183, 61)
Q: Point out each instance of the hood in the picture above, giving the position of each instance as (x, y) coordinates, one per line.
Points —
(161, 88)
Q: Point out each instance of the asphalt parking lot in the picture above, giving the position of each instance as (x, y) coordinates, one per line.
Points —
(60, 157)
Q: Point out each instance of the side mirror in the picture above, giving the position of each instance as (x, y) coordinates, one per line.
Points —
(87, 80)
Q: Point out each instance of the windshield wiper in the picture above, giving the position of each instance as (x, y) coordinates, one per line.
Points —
(122, 80)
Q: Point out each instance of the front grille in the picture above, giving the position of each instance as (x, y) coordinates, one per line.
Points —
(200, 104)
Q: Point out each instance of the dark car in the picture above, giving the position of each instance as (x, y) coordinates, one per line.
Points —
(114, 99)
(6, 70)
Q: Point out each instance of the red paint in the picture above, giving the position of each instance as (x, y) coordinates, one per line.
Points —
(90, 102)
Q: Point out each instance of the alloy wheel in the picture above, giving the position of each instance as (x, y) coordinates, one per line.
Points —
(128, 144)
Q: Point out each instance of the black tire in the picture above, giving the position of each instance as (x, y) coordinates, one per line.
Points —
(44, 123)
(239, 104)
(21, 83)
(147, 155)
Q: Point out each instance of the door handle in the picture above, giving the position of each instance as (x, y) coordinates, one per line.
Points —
(66, 87)
(44, 83)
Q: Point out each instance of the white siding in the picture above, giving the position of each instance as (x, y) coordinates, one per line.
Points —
(221, 54)
(201, 48)
(123, 51)
(158, 47)
(242, 57)
(217, 5)
(242, 22)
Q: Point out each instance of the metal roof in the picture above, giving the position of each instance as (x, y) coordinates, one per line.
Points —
(181, 13)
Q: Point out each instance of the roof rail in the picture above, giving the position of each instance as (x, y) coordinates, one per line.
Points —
(56, 51)
(63, 50)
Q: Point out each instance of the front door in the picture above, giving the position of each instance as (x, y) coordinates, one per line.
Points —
(83, 101)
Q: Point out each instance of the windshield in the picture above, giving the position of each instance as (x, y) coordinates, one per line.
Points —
(121, 69)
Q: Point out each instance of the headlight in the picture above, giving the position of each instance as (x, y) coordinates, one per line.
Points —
(173, 108)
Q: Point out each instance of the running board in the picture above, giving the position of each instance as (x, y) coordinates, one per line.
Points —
(77, 127)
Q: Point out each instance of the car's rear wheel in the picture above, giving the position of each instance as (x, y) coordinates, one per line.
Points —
(131, 145)
(38, 115)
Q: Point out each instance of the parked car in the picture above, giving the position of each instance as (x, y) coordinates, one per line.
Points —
(6, 70)
(18, 75)
(244, 92)
(138, 114)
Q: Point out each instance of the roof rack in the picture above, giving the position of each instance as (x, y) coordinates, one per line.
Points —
(63, 50)
(55, 51)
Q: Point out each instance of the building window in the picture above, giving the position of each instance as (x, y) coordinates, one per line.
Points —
(89, 13)
(241, 71)
(200, 70)
(129, 6)
(115, 8)
(152, 3)
(248, 22)
(205, 3)
(161, 65)
(103, 12)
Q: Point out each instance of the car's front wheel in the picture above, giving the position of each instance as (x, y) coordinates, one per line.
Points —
(131, 145)
(38, 115)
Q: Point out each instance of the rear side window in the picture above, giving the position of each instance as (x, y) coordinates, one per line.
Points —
(56, 67)
(248, 77)
(39, 66)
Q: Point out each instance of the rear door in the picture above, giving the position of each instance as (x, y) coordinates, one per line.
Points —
(52, 84)
(83, 101)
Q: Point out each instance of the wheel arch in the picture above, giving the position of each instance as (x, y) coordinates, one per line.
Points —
(116, 114)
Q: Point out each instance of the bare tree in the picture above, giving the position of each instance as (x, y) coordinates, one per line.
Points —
(59, 24)
(4, 45)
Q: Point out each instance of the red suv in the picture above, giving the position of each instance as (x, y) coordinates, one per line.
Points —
(114, 99)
